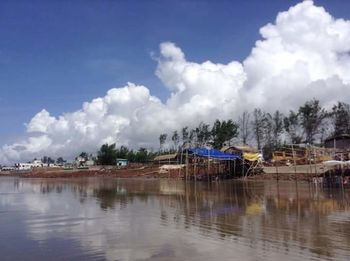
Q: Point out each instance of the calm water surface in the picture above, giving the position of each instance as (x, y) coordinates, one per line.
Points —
(113, 219)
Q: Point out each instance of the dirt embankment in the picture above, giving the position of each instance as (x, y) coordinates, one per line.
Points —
(139, 172)
(285, 176)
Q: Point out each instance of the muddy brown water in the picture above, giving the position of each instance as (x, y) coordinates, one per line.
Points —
(133, 219)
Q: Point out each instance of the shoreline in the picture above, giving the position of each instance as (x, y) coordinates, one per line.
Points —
(145, 172)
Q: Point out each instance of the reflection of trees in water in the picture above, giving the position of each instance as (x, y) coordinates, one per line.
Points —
(108, 198)
(257, 214)
(212, 206)
(261, 213)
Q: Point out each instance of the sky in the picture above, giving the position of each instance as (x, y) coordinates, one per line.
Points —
(76, 74)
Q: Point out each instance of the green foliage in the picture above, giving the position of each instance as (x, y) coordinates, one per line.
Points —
(140, 156)
(185, 134)
(107, 155)
(203, 134)
(258, 123)
(244, 126)
(277, 119)
(175, 138)
(60, 161)
(311, 117)
(84, 155)
(292, 127)
(341, 118)
(47, 160)
(162, 139)
(272, 128)
(222, 132)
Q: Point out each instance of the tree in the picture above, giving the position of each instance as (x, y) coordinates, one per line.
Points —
(47, 160)
(272, 129)
(60, 161)
(44, 159)
(162, 139)
(258, 124)
(175, 138)
(203, 134)
(277, 120)
(341, 118)
(84, 155)
(185, 134)
(311, 117)
(222, 132)
(142, 156)
(107, 155)
(122, 152)
(292, 127)
(192, 137)
(267, 141)
(244, 129)
(268, 131)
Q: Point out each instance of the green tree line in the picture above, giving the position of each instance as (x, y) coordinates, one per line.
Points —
(310, 123)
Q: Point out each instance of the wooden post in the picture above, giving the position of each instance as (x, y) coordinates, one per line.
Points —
(180, 162)
(186, 165)
(342, 175)
(194, 169)
(295, 167)
(208, 164)
(277, 177)
(316, 172)
(234, 167)
(243, 166)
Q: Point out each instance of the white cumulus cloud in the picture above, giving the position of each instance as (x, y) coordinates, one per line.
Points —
(303, 54)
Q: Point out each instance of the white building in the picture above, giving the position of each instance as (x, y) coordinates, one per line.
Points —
(24, 166)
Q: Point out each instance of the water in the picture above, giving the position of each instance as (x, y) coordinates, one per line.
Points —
(116, 219)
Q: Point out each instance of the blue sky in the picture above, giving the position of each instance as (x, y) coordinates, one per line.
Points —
(58, 54)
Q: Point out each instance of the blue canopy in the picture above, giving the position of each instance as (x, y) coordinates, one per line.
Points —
(212, 153)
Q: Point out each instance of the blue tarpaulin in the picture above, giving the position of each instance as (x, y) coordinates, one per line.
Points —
(212, 153)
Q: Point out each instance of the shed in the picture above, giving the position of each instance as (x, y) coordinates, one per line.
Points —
(338, 142)
(122, 162)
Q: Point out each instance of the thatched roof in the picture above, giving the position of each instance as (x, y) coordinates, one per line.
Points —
(240, 148)
(338, 137)
(165, 157)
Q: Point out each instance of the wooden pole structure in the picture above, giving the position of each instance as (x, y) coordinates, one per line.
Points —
(208, 164)
(295, 166)
(234, 167)
(186, 165)
(242, 166)
(315, 162)
(180, 162)
(195, 168)
(342, 174)
(310, 165)
(276, 165)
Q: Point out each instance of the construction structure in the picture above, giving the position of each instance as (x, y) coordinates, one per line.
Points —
(166, 159)
(209, 164)
(300, 154)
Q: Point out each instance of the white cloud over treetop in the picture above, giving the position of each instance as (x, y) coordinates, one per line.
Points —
(304, 54)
